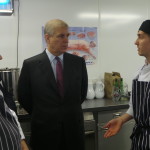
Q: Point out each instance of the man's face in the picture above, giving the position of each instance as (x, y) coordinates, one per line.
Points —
(58, 42)
(143, 44)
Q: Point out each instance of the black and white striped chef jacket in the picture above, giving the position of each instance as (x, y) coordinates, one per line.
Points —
(10, 130)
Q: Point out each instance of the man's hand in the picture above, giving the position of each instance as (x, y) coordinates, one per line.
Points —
(24, 145)
(113, 126)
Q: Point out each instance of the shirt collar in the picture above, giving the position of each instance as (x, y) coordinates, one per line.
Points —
(52, 57)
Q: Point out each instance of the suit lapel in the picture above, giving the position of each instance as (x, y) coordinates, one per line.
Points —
(46, 68)
(68, 69)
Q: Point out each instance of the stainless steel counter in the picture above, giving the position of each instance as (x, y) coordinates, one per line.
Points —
(98, 105)
(95, 105)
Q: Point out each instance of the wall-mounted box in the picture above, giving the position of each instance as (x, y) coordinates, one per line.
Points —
(6, 7)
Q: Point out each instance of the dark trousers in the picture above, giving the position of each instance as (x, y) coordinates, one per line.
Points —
(49, 142)
(58, 140)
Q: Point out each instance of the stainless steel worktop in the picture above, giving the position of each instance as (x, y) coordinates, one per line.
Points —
(97, 105)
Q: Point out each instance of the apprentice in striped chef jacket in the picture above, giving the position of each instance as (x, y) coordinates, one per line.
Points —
(11, 134)
(139, 106)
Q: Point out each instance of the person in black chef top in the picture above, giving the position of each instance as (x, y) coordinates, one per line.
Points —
(11, 134)
(140, 100)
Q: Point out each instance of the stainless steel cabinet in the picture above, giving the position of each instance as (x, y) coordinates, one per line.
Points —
(90, 136)
(121, 141)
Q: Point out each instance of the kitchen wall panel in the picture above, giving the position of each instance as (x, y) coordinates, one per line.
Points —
(8, 39)
(117, 22)
(32, 19)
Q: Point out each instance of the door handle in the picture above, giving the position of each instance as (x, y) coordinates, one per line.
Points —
(104, 129)
(117, 114)
(89, 132)
(101, 126)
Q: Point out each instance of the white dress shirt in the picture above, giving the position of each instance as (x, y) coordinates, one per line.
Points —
(142, 75)
(53, 61)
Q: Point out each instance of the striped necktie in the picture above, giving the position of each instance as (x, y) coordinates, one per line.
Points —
(59, 77)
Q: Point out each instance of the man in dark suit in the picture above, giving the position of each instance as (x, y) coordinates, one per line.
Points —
(52, 87)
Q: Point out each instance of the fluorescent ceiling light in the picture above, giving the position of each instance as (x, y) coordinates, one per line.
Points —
(108, 16)
(88, 15)
(119, 16)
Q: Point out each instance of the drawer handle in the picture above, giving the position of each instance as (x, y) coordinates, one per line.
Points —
(89, 132)
(102, 128)
(117, 114)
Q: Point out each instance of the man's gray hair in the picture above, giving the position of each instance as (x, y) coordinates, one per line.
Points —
(51, 25)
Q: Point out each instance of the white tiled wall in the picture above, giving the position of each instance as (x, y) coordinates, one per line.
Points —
(117, 22)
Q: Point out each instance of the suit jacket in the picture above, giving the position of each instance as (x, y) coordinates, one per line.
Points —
(51, 114)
